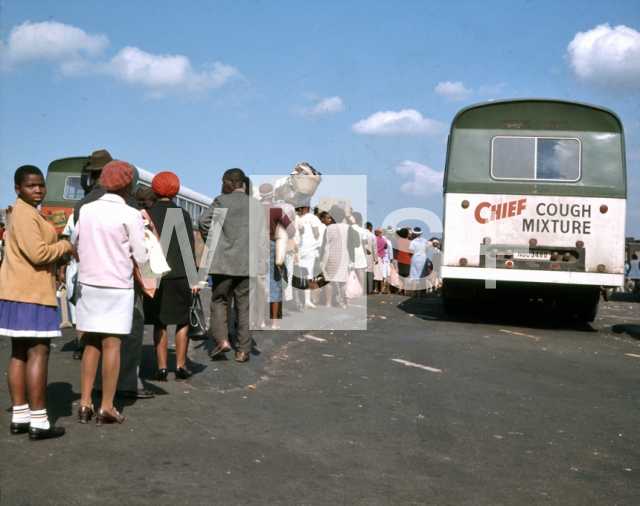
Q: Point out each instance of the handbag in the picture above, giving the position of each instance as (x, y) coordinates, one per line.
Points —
(198, 329)
(282, 240)
(148, 276)
(64, 310)
(320, 280)
(353, 289)
(300, 278)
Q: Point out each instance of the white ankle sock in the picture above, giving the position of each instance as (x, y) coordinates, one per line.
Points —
(21, 414)
(39, 419)
(307, 297)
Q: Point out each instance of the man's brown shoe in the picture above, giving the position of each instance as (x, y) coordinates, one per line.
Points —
(221, 348)
(242, 357)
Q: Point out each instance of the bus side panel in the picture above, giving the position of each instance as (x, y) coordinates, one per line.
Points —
(552, 221)
(58, 216)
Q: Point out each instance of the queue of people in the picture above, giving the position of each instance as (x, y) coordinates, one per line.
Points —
(104, 249)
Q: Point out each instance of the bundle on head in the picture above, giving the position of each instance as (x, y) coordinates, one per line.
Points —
(306, 169)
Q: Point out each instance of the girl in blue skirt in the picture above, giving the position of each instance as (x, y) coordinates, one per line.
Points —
(28, 304)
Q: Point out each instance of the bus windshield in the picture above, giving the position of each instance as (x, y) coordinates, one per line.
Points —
(72, 188)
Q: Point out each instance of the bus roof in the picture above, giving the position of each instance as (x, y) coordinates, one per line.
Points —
(146, 176)
(59, 169)
(598, 130)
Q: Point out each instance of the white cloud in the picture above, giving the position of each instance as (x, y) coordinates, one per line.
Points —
(328, 106)
(159, 74)
(453, 91)
(405, 122)
(606, 57)
(322, 107)
(65, 45)
(76, 52)
(425, 181)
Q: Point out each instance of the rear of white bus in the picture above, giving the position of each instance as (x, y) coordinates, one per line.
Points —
(534, 211)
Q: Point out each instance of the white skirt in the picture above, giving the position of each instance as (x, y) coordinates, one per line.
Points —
(308, 260)
(104, 310)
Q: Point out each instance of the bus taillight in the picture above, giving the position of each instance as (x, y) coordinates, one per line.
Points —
(579, 244)
(533, 242)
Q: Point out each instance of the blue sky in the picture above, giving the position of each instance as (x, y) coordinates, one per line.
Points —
(351, 87)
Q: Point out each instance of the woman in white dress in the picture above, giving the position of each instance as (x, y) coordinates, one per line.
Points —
(110, 238)
(336, 253)
(309, 229)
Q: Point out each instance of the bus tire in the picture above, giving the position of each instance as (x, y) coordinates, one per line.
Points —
(588, 312)
(450, 305)
(606, 294)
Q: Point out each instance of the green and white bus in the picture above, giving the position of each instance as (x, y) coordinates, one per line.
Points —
(534, 204)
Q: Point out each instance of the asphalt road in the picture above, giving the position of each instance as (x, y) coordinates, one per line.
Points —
(501, 406)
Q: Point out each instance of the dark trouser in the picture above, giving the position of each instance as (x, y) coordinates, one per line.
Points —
(222, 285)
(369, 282)
(130, 352)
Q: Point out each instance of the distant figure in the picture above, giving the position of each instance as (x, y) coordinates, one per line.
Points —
(145, 197)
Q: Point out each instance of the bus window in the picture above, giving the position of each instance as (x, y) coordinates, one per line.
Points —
(558, 159)
(535, 158)
(72, 188)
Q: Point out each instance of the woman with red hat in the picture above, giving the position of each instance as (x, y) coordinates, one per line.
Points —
(171, 302)
(109, 237)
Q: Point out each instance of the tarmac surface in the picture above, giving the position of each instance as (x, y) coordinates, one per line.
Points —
(493, 406)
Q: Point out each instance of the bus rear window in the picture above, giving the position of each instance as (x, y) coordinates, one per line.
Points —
(72, 188)
(535, 158)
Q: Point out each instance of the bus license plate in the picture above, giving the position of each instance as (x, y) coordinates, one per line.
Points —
(531, 255)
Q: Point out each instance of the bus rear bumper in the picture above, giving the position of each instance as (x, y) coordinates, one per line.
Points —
(522, 276)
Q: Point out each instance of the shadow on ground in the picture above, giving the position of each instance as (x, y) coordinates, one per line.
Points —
(532, 314)
(631, 329)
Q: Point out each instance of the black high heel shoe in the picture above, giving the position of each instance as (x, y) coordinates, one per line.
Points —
(161, 375)
(183, 374)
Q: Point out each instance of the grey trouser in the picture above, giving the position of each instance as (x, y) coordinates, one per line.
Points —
(369, 282)
(222, 285)
(130, 352)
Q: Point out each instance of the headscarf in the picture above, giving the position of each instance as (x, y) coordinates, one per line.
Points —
(145, 197)
(116, 175)
(165, 184)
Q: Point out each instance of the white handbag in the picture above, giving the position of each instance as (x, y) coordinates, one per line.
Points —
(282, 239)
(157, 265)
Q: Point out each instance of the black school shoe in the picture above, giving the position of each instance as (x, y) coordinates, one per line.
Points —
(19, 428)
(36, 434)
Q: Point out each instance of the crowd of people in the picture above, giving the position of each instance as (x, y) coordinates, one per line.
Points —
(275, 253)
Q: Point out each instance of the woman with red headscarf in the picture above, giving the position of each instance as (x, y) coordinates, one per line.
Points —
(171, 302)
